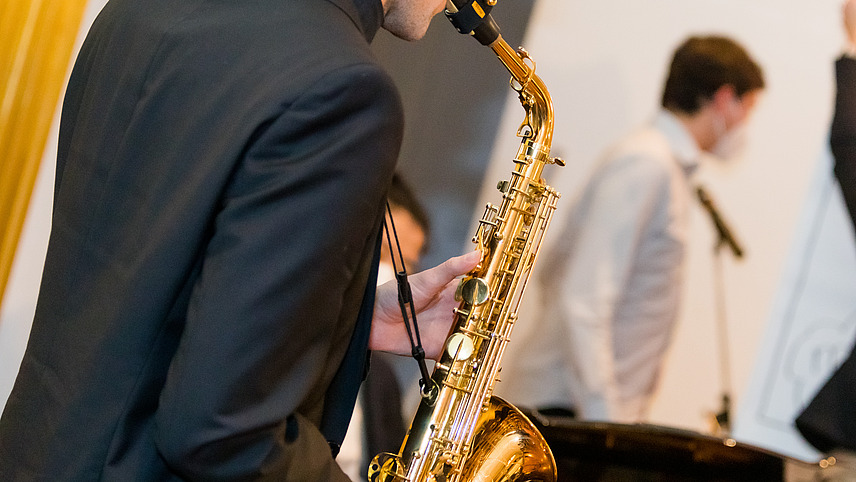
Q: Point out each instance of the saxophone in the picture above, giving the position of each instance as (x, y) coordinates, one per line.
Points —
(460, 431)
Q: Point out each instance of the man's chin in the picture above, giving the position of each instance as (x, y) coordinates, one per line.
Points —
(408, 33)
(409, 24)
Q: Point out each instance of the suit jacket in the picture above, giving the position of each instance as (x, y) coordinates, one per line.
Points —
(381, 404)
(829, 421)
(220, 177)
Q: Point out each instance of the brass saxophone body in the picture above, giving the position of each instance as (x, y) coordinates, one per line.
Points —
(460, 431)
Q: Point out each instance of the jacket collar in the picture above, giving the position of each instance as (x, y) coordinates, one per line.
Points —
(684, 147)
(367, 15)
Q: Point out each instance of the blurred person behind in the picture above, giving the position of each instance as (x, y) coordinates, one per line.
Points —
(610, 284)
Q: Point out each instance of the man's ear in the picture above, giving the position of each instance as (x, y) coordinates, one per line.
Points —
(723, 96)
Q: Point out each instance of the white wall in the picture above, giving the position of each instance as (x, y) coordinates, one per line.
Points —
(19, 300)
(604, 63)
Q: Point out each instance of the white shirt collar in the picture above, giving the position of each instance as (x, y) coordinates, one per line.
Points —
(683, 145)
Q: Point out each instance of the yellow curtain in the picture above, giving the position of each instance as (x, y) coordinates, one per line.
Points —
(35, 48)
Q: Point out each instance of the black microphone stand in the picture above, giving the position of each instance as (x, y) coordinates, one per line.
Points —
(724, 239)
(723, 417)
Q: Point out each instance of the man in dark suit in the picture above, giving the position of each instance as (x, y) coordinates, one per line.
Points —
(208, 292)
(829, 421)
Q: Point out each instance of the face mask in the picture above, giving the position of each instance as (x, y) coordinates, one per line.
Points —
(732, 144)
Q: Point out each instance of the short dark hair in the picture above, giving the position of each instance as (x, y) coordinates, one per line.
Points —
(701, 65)
(401, 195)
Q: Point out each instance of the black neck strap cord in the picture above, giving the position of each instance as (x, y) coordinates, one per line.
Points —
(405, 301)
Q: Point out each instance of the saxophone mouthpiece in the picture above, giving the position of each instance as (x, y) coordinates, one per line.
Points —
(472, 17)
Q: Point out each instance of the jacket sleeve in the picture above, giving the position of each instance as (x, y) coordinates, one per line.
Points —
(281, 282)
(842, 137)
(829, 421)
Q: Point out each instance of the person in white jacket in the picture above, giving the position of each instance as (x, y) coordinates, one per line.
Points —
(610, 286)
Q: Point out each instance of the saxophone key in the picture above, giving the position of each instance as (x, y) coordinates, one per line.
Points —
(460, 312)
(475, 291)
(483, 336)
(459, 346)
(462, 388)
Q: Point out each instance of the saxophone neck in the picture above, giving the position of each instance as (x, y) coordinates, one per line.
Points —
(537, 127)
(472, 17)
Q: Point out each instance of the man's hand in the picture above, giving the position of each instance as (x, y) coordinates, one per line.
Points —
(433, 299)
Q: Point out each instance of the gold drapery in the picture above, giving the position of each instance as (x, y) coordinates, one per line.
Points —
(38, 38)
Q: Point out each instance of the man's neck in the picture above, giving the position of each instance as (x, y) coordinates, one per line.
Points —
(700, 126)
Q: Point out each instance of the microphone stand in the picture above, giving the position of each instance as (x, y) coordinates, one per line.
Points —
(723, 417)
(725, 239)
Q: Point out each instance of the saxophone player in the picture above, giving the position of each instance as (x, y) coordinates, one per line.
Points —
(208, 292)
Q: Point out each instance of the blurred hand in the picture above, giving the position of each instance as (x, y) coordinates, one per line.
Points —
(433, 299)
(849, 14)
